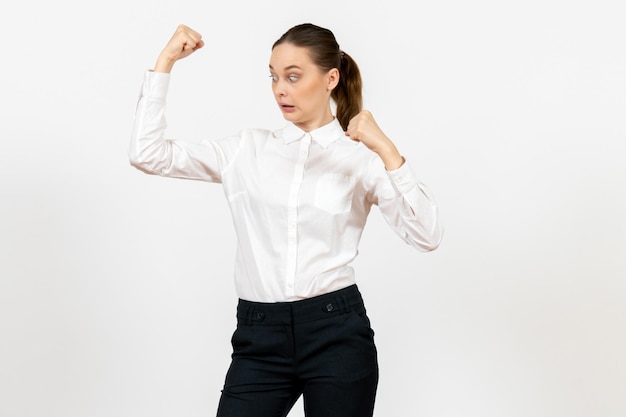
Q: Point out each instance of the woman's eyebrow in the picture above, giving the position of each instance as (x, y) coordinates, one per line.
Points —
(288, 67)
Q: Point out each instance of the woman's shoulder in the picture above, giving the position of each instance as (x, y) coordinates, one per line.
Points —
(255, 133)
(246, 134)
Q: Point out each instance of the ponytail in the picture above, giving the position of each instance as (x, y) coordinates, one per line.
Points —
(348, 93)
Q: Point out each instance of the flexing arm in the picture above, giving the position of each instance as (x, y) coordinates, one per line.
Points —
(149, 151)
(406, 204)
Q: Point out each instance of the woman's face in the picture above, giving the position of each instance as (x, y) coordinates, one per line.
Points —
(301, 89)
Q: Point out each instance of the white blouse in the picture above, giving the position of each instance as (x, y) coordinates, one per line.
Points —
(299, 200)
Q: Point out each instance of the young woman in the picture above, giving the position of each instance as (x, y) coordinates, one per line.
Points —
(299, 198)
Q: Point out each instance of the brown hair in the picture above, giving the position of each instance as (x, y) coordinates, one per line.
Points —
(326, 54)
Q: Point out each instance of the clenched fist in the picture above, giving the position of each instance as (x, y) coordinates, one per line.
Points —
(363, 128)
(183, 43)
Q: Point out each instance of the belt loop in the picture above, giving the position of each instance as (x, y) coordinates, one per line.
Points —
(249, 312)
(342, 303)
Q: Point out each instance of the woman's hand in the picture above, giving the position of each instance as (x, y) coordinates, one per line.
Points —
(183, 43)
(363, 128)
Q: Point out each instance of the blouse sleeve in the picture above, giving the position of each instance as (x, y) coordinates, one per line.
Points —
(151, 153)
(407, 205)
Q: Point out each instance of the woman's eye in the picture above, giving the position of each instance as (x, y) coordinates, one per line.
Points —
(291, 78)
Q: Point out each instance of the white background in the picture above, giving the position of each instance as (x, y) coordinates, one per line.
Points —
(116, 294)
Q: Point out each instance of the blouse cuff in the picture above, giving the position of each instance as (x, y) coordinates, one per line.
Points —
(155, 84)
(403, 179)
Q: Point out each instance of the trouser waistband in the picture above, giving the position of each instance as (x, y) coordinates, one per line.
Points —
(286, 313)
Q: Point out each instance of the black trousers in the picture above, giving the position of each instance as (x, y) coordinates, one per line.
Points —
(321, 348)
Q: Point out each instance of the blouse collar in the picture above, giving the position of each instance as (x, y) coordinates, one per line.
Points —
(324, 135)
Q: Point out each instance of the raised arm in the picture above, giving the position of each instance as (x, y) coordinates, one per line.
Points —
(149, 151)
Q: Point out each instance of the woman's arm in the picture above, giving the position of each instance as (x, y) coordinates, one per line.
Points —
(149, 151)
(406, 204)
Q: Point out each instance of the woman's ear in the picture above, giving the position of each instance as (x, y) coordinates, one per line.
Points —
(332, 79)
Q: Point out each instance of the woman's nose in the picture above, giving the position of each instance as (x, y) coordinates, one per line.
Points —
(279, 89)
